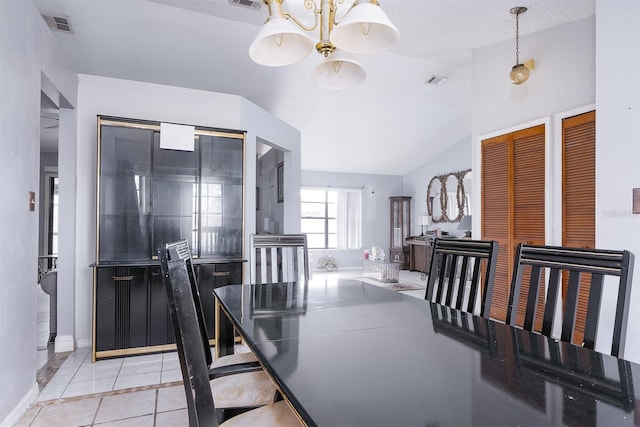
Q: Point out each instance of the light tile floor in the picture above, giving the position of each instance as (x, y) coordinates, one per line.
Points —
(130, 391)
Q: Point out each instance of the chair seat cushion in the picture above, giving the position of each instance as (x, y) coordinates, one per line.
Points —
(243, 390)
(234, 359)
(276, 414)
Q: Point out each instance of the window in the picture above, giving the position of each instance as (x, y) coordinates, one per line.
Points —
(332, 218)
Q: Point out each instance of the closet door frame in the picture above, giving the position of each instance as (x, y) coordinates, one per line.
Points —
(549, 177)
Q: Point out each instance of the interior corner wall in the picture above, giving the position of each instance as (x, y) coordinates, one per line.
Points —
(268, 209)
(376, 190)
(27, 49)
(148, 101)
(415, 183)
(262, 125)
(618, 141)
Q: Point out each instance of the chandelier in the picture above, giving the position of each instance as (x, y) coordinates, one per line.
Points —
(283, 40)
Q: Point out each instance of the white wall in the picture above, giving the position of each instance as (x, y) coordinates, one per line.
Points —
(137, 100)
(28, 51)
(415, 183)
(618, 140)
(577, 65)
(376, 190)
(563, 80)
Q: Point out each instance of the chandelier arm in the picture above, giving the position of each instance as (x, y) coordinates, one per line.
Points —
(311, 5)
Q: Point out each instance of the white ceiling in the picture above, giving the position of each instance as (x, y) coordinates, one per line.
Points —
(203, 44)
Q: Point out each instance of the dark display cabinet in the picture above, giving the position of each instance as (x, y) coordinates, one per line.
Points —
(148, 196)
(400, 218)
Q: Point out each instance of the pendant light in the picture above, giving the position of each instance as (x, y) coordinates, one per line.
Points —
(519, 73)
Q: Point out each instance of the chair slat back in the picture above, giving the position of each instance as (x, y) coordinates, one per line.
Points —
(193, 364)
(279, 258)
(179, 251)
(558, 262)
(460, 271)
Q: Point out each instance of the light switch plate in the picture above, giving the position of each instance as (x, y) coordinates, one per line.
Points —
(32, 201)
(636, 200)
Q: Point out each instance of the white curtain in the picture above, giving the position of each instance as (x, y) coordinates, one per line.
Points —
(349, 220)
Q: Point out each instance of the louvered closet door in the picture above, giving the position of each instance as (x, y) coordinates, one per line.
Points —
(512, 203)
(495, 215)
(528, 208)
(578, 196)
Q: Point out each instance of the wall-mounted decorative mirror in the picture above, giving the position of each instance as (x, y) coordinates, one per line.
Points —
(447, 197)
(434, 204)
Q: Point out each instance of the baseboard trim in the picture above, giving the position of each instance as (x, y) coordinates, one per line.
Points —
(64, 343)
(83, 342)
(21, 407)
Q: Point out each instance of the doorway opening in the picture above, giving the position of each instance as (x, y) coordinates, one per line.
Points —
(269, 189)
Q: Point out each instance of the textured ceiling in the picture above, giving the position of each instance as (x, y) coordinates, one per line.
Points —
(347, 131)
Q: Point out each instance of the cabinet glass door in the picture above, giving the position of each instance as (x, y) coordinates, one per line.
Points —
(396, 224)
(175, 194)
(220, 229)
(125, 172)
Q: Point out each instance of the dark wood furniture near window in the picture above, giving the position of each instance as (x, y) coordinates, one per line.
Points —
(420, 250)
(148, 196)
(400, 227)
(573, 264)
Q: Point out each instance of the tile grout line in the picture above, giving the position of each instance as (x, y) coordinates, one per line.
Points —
(155, 408)
(93, 420)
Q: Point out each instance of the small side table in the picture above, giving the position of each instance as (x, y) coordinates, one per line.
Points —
(383, 271)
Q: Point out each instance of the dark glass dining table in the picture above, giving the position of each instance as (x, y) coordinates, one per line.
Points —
(347, 353)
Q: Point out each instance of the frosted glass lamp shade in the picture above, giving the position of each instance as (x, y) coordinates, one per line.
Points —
(340, 70)
(280, 42)
(364, 29)
(519, 74)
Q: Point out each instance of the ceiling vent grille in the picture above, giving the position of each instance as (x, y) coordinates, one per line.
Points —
(255, 5)
(436, 80)
(58, 23)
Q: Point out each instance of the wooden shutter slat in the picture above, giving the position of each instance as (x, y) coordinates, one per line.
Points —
(578, 198)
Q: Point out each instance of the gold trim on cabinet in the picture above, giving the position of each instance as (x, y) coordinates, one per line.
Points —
(216, 350)
(154, 125)
(135, 350)
(221, 273)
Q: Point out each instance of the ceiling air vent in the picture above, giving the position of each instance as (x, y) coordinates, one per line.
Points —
(436, 80)
(246, 3)
(58, 23)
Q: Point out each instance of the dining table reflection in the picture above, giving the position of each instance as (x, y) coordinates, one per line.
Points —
(344, 352)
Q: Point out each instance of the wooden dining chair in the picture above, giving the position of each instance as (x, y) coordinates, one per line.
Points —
(458, 265)
(580, 370)
(571, 264)
(212, 402)
(279, 258)
(241, 362)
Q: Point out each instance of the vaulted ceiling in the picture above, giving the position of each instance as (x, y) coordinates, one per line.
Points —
(390, 124)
